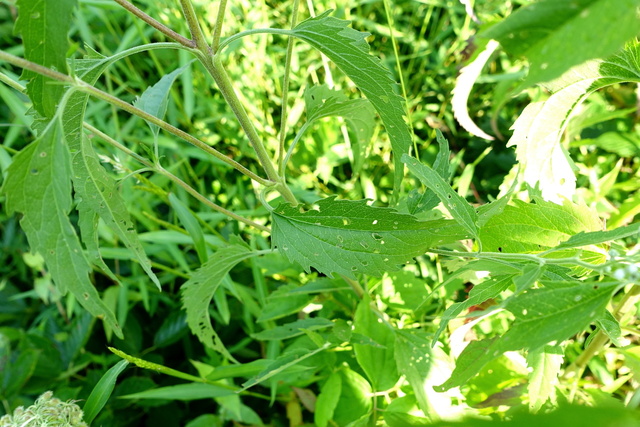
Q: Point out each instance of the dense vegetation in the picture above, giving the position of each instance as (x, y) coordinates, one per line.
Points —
(273, 213)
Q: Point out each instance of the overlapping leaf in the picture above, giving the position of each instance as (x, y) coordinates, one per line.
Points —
(38, 185)
(348, 49)
(349, 237)
(44, 26)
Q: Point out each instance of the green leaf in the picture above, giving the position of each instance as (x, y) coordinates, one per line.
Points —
(544, 363)
(355, 398)
(198, 291)
(413, 359)
(328, 400)
(348, 237)
(457, 206)
(155, 99)
(102, 391)
(541, 316)
(539, 129)
(283, 302)
(378, 363)
(38, 185)
(348, 49)
(293, 329)
(191, 224)
(597, 237)
(44, 26)
(611, 327)
(535, 227)
(417, 202)
(557, 35)
(323, 102)
(183, 392)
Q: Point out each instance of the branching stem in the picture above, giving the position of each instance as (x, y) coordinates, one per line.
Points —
(217, 30)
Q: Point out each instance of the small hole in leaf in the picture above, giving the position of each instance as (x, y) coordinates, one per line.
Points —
(499, 249)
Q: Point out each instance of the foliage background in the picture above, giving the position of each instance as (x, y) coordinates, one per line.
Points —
(50, 344)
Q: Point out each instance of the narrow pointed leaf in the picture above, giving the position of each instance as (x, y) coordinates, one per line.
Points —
(457, 206)
(102, 391)
(191, 224)
(44, 26)
(38, 185)
(349, 237)
(198, 291)
(348, 49)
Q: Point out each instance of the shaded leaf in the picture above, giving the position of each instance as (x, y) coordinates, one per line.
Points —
(198, 291)
(348, 49)
(191, 224)
(349, 237)
(183, 392)
(38, 185)
(102, 391)
(293, 329)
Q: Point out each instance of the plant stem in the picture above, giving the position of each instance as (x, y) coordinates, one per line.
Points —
(285, 91)
(157, 25)
(159, 169)
(217, 30)
(194, 27)
(239, 35)
(221, 77)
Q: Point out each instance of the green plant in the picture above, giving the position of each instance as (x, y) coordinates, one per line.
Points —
(540, 265)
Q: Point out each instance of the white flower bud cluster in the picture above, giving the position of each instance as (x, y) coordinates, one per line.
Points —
(46, 411)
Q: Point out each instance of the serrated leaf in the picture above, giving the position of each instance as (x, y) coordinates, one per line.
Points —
(96, 192)
(535, 227)
(155, 99)
(44, 26)
(457, 206)
(419, 202)
(102, 391)
(358, 113)
(198, 291)
(293, 329)
(38, 185)
(541, 316)
(597, 237)
(348, 49)
(544, 364)
(557, 35)
(538, 130)
(464, 83)
(348, 237)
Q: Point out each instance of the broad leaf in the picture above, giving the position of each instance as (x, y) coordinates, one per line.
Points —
(377, 363)
(457, 206)
(538, 130)
(348, 49)
(38, 185)
(323, 102)
(328, 400)
(198, 291)
(556, 35)
(535, 227)
(545, 364)
(349, 237)
(44, 26)
(541, 316)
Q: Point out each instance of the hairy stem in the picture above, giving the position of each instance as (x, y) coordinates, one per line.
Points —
(285, 91)
(194, 27)
(159, 169)
(217, 30)
(157, 25)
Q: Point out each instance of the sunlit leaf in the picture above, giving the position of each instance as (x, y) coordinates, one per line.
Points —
(557, 35)
(544, 363)
(349, 237)
(348, 49)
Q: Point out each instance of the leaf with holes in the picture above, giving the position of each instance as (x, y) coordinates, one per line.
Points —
(198, 291)
(349, 237)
